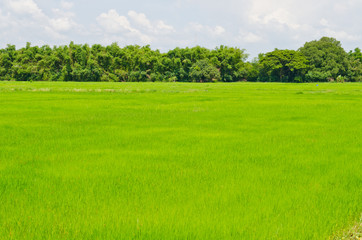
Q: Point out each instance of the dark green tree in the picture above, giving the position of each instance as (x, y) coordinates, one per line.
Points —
(282, 66)
(204, 71)
(356, 54)
(230, 61)
(81, 62)
(327, 59)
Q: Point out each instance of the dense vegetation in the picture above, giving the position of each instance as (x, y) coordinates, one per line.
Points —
(322, 60)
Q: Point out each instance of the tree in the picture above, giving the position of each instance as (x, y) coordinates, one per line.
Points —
(230, 62)
(327, 59)
(203, 71)
(356, 54)
(354, 72)
(283, 66)
(316, 61)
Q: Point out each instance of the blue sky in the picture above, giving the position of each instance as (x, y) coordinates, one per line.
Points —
(255, 25)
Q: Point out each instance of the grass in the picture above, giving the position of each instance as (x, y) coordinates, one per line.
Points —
(179, 161)
(354, 233)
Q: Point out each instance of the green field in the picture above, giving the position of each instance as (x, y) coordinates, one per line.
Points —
(179, 161)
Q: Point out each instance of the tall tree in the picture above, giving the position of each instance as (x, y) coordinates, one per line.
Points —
(327, 59)
(230, 61)
(283, 66)
(204, 71)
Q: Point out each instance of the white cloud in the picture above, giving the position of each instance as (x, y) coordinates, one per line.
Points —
(4, 20)
(113, 22)
(25, 7)
(277, 18)
(341, 35)
(57, 13)
(141, 20)
(197, 27)
(212, 31)
(164, 27)
(135, 28)
(66, 5)
(218, 30)
(26, 21)
(62, 24)
(63, 21)
(324, 22)
(251, 38)
(50, 31)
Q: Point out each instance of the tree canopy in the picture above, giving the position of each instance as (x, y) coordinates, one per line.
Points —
(318, 60)
(327, 59)
(283, 66)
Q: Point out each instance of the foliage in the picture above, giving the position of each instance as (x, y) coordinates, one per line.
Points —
(327, 59)
(356, 54)
(230, 62)
(322, 60)
(112, 63)
(355, 65)
(283, 66)
(203, 71)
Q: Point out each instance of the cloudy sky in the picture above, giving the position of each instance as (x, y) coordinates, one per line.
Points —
(255, 25)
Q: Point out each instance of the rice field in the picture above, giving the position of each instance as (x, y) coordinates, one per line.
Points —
(179, 160)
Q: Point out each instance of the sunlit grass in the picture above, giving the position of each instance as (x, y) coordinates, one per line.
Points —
(177, 161)
(353, 233)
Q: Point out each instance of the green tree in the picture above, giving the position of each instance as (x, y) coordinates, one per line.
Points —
(354, 70)
(327, 59)
(203, 71)
(230, 61)
(283, 66)
(356, 54)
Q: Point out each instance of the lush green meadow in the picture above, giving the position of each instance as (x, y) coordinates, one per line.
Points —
(179, 161)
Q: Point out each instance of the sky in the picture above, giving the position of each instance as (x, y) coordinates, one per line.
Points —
(258, 26)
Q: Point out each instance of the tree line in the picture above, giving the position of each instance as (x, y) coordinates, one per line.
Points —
(317, 61)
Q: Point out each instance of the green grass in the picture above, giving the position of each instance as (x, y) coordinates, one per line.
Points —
(354, 233)
(179, 161)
